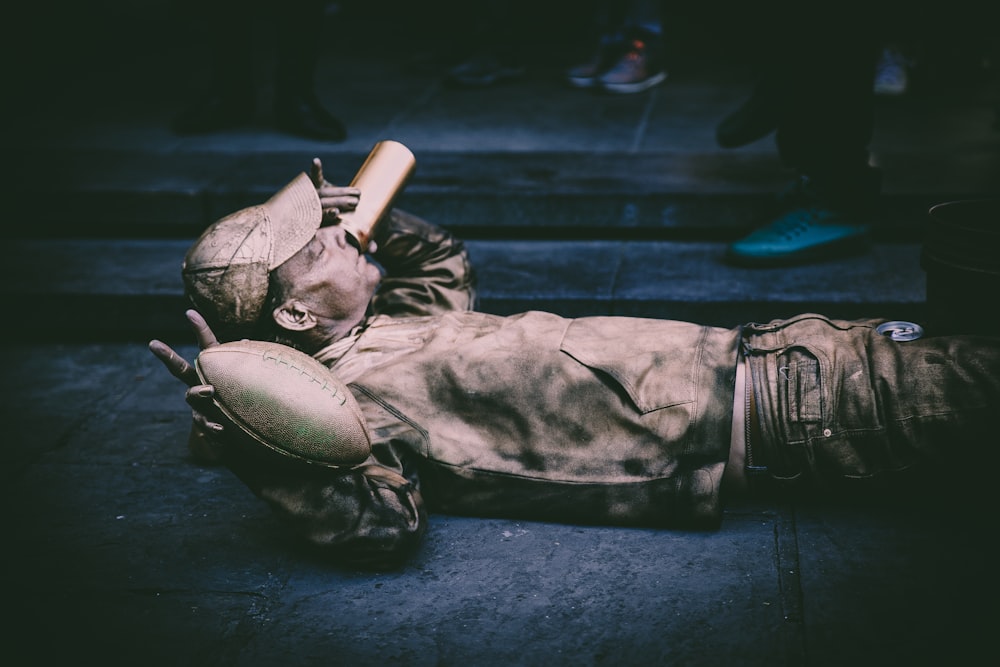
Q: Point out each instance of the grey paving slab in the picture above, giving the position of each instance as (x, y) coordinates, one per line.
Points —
(123, 550)
(124, 540)
(138, 191)
(517, 117)
(599, 268)
(131, 289)
(555, 600)
(915, 583)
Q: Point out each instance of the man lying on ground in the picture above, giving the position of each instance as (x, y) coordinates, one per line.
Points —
(609, 420)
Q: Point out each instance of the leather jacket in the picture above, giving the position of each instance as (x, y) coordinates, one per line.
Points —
(610, 420)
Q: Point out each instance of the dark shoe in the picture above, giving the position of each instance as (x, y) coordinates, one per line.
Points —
(802, 235)
(892, 73)
(587, 74)
(811, 221)
(483, 71)
(639, 68)
(754, 119)
(215, 113)
(306, 117)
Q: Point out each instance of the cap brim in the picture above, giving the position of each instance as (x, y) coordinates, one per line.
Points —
(295, 214)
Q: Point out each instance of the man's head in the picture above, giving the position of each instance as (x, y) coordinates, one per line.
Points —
(272, 264)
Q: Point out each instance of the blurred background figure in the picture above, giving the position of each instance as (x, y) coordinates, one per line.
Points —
(629, 52)
(815, 92)
(494, 51)
(892, 71)
(292, 31)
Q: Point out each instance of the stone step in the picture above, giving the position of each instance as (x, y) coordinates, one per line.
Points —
(122, 194)
(115, 289)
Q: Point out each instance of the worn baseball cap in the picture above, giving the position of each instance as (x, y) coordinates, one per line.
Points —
(226, 271)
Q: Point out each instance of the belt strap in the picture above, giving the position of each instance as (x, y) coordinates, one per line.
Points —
(739, 438)
(755, 463)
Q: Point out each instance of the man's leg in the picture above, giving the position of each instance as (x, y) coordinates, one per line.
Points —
(231, 98)
(839, 405)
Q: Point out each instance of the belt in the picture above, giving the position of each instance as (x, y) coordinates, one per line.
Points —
(734, 477)
(739, 434)
(746, 436)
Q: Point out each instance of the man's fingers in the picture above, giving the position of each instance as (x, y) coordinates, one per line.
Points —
(316, 172)
(175, 363)
(206, 338)
(331, 191)
(344, 202)
(178, 366)
(199, 397)
(204, 424)
(331, 215)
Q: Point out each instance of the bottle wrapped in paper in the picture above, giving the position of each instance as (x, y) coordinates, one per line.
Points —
(381, 178)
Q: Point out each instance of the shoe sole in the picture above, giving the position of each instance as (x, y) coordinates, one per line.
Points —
(637, 87)
(738, 139)
(482, 81)
(836, 250)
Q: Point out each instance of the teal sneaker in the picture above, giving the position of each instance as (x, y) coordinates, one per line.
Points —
(801, 235)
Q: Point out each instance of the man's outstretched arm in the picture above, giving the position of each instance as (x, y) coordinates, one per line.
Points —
(367, 516)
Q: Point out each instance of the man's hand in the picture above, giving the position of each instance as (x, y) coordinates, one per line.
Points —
(332, 198)
(199, 396)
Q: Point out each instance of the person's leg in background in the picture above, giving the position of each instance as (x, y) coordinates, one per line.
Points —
(231, 28)
(641, 64)
(231, 98)
(297, 108)
(495, 52)
(816, 90)
(607, 18)
(629, 57)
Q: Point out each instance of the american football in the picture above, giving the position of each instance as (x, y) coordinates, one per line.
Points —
(287, 401)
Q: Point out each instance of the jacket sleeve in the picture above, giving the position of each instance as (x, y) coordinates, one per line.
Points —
(427, 270)
(370, 517)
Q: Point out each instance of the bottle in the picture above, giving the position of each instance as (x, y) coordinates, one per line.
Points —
(381, 178)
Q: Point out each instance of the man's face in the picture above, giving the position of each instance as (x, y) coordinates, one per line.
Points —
(331, 276)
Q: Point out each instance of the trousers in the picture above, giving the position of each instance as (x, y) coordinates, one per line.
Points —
(838, 404)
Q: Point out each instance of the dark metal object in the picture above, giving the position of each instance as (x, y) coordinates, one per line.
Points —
(961, 256)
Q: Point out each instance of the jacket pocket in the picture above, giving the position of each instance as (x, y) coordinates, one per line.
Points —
(803, 386)
(654, 361)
